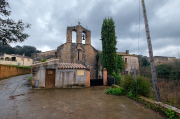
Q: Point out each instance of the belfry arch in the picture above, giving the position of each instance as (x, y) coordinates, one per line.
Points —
(77, 52)
(79, 31)
(73, 36)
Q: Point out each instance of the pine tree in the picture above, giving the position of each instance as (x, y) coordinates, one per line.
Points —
(109, 45)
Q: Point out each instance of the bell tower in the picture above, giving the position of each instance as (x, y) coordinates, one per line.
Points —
(81, 34)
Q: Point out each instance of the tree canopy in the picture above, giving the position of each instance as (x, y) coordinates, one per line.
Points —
(10, 31)
(143, 62)
(27, 50)
(108, 38)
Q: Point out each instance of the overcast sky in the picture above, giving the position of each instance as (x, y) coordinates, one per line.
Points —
(50, 18)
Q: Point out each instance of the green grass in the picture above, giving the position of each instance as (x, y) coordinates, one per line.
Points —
(30, 78)
(19, 66)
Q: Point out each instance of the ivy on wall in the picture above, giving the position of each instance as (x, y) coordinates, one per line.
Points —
(120, 62)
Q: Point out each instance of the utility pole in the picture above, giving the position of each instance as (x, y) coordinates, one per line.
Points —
(153, 71)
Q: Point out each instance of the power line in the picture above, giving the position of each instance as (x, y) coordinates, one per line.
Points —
(139, 28)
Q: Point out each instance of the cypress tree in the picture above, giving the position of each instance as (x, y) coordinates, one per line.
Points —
(109, 45)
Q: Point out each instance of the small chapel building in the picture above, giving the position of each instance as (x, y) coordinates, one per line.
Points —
(76, 57)
(73, 64)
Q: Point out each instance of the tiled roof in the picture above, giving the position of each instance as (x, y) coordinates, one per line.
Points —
(71, 66)
(45, 62)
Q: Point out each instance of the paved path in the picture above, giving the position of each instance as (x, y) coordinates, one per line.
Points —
(18, 101)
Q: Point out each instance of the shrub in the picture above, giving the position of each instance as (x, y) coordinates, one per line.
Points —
(43, 60)
(171, 114)
(108, 91)
(143, 86)
(115, 91)
(117, 77)
(128, 83)
(132, 94)
(163, 69)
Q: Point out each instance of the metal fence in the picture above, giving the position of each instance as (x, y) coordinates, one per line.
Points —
(110, 80)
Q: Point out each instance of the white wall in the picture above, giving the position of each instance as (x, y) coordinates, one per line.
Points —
(63, 77)
(69, 77)
(8, 62)
(19, 60)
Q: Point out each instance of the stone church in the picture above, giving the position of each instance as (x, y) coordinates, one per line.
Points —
(77, 52)
(84, 54)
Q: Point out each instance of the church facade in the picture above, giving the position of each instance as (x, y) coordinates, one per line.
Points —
(77, 52)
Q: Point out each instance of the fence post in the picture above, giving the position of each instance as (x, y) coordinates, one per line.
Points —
(88, 77)
(104, 77)
(114, 79)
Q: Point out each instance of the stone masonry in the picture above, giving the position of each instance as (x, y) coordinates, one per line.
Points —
(77, 52)
(45, 55)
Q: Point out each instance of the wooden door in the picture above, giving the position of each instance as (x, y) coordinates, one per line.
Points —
(50, 78)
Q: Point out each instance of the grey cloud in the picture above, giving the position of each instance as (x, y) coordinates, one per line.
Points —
(57, 15)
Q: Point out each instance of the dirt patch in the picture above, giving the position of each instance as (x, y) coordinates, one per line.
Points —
(11, 97)
(14, 97)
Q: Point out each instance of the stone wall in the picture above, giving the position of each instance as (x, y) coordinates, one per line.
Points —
(132, 62)
(39, 72)
(68, 53)
(45, 55)
(163, 60)
(7, 71)
(64, 53)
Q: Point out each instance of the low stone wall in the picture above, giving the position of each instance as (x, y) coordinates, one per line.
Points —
(159, 106)
(7, 71)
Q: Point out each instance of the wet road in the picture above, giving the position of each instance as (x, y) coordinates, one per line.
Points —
(18, 101)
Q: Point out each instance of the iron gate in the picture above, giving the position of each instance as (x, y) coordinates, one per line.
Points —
(110, 80)
(96, 82)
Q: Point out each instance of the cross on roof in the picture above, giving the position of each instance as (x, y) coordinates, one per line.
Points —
(79, 23)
